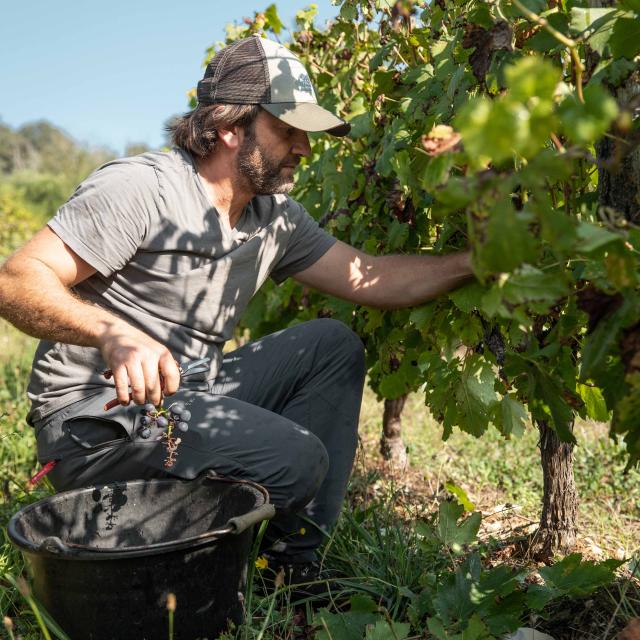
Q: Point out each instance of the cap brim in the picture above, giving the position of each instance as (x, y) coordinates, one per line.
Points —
(308, 116)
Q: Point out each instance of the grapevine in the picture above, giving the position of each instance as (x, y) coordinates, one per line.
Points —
(507, 127)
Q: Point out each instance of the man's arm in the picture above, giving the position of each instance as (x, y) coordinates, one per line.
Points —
(35, 297)
(386, 282)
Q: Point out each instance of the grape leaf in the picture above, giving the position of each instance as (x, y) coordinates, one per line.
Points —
(530, 283)
(595, 405)
(508, 242)
(475, 396)
(573, 576)
(625, 38)
(599, 21)
(342, 626)
(514, 417)
(388, 630)
(273, 19)
(461, 495)
(593, 237)
(586, 123)
(453, 534)
(531, 77)
(469, 297)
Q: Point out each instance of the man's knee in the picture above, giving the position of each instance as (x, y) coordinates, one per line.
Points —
(304, 466)
(342, 341)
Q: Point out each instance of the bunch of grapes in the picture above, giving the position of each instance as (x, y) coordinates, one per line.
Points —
(171, 419)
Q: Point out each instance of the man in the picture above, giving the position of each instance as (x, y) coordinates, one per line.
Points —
(151, 262)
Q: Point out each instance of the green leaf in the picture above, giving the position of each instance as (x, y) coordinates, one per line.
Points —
(548, 390)
(599, 21)
(543, 41)
(461, 496)
(530, 77)
(436, 628)
(476, 629)
(593, 237)
(375, 319)
(586, 123)
(342, 626)
(529, 284)
(393, 385)
(594, 403)
(436, 171)
(273, 19)
(575, 577)
(422, 316)
(362, 604)
(625, 39)
(536, 6)
(598, 345)
(475, 396)
(508, 241)
(469, 297)
(452, 601)
(384, 630)
(348, 12)
(514, 417)
(452, 534)
(538, 596)
(398, 235)
(489, 130)
(626, 418)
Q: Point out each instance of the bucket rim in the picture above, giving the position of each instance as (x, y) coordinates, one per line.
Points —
(53, 547)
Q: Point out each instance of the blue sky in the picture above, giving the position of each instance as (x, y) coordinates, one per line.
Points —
(110, 73)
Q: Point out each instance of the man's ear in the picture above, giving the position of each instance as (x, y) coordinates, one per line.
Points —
(231, 138)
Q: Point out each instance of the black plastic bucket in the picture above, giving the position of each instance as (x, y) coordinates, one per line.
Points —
(104, 559)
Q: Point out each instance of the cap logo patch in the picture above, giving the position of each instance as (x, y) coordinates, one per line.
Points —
(304, 84)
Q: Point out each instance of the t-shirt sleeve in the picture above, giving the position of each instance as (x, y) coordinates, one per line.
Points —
(108, 216)
(307, 243)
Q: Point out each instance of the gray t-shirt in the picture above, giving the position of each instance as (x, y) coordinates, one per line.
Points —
(167, 265)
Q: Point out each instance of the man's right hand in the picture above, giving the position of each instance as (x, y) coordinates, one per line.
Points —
(143, 369)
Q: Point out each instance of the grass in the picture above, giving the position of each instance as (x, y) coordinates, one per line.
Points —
(375, 546)
(504, 478)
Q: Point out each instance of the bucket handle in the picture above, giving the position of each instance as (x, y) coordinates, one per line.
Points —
(234, 526)
(240, 523)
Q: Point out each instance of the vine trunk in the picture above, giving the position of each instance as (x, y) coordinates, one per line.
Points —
(391, 445)
(558, 523)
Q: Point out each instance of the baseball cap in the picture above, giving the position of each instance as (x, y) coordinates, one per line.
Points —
(256, 70)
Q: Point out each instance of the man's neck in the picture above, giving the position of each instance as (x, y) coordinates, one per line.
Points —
(225, 190)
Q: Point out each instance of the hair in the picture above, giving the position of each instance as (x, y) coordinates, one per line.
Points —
(197, 131)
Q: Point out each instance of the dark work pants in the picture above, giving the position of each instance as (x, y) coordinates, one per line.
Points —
(282, 412)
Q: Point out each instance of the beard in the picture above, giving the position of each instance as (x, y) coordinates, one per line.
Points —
(261, 173)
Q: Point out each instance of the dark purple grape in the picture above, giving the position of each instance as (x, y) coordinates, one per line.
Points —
(150, 408)
(177, 408)
(183, 426)
(185, 415)
(162, 422)
(145, 433)
(145, 420)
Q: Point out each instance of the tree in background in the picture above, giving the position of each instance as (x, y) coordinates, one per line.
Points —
(43, 165)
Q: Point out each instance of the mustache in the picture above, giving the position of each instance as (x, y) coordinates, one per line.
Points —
(294, 162)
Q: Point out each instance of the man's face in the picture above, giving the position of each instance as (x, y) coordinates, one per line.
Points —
(269, 154)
